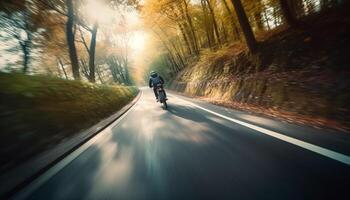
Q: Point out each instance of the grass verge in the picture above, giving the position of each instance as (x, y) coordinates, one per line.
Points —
(38, 112)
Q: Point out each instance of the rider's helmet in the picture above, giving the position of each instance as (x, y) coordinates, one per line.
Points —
(153, 74)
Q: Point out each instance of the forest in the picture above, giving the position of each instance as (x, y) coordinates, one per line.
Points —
(71, 40)
(285, 59)
(73, 76)
(66, 39)
(241, 47)
(188, 29)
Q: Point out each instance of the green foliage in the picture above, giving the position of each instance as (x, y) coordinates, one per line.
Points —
(39, 111)
(161, 66)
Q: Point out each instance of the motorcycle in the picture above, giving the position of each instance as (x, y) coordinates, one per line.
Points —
(161, 95)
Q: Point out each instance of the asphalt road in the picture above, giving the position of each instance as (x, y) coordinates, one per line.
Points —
(195, 150)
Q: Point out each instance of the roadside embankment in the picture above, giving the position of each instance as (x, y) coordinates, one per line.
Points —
(39, 112)
(299, 75)
(294, 97)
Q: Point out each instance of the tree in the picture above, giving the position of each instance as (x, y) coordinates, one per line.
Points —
(235, 30)
(20, 22)
(214, 22)
(208, 27)
(246, 28)
(192, 29)
(92, 52)
(90, 49)
(71, 40)
(67, 10)
(288, 13)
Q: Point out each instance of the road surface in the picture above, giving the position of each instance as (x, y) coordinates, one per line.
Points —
(195, 150)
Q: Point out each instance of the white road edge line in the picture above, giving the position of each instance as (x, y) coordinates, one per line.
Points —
(68, 159)
(311, 147)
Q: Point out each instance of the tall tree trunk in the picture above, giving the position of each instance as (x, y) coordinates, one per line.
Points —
(189, 19)
(208, 27)
(25, 51)
(189, 34)
(70, 40)
(215, 24)
(92, 50)
(288, 13)
(235, 30)
(184, 35)
(26, 44)
(246, 28)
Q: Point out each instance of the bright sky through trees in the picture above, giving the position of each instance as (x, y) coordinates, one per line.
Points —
(110, 18)
(98, 11)
(127, 35)
(106, 16)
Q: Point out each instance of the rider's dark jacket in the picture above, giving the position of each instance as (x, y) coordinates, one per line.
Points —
(155, 81)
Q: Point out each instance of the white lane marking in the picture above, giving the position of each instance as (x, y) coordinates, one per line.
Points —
(68, 159)
(314, 148)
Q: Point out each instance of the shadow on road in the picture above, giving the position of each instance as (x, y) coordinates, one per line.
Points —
(186, 113)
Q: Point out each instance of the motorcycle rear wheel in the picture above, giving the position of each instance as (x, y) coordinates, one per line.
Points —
(165, 104)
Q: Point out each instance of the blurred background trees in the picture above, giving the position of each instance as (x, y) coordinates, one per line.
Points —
(61, 38)
(187, 28)
(95, 40)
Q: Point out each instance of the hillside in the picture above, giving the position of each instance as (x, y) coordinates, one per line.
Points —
(300, 75)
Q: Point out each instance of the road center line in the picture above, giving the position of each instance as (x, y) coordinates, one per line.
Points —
(311, 147)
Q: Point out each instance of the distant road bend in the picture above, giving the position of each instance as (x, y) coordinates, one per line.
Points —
(195, 150)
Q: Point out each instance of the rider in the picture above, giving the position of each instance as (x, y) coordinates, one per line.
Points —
(155, 79)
